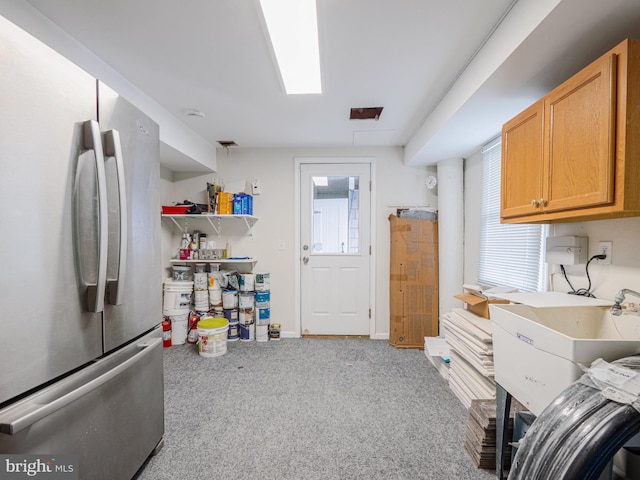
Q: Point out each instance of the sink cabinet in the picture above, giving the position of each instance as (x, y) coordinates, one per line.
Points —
(575, 154)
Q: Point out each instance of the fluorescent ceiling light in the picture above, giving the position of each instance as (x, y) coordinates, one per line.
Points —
(293, 28)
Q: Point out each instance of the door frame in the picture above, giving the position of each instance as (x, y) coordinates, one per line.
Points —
(298, 161)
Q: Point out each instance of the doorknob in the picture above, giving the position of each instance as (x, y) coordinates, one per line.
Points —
(305, 260)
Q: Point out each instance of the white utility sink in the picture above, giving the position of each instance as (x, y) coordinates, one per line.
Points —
(537, 351)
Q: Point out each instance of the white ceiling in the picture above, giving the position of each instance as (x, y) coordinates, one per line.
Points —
(404, 55)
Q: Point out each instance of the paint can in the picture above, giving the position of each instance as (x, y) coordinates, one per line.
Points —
(263, 299)
(262, 282)
(201, 300)
(274, 331)
(215, 297)
(262, 333)
(233, 332)
(231, 314)
(246, 316)
(212, 337)
(246, 299)
(179, 327)
(247, 332)
(200, 281)
(229, 299)
(263, 315)
(247, 282)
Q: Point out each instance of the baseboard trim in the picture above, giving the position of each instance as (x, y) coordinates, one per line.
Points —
(380, 336)
(291, 334)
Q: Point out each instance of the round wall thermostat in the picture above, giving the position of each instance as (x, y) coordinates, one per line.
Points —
(431, 182)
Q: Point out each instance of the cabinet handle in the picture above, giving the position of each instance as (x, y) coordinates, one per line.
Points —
(542, 202)
(534, 202)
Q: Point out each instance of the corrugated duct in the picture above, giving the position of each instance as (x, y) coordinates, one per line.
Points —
(576, 436)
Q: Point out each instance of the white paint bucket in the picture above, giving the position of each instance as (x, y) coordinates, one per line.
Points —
(179, 328)
(177, 297)
(262, 333)
(215, 297)
(245, 299)
(212, 337)
(262, 282)
(200, 281)
(247, 282)
(229, 299)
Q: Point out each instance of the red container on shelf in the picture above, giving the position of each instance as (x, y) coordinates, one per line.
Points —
(175, 209)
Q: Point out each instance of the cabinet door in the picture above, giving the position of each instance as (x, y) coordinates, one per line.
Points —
(579, 146)
(522, 165)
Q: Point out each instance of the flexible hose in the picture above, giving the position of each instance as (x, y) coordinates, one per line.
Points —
(577, 435)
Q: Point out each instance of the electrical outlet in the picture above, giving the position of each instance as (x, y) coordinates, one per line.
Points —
(605, 248)
(256, 188)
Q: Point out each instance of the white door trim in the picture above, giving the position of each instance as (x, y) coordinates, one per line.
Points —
(372, 236)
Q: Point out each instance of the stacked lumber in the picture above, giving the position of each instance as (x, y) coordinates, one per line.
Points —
(480, 437)
(471, 368)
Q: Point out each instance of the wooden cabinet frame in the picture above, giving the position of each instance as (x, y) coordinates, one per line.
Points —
(583, 161)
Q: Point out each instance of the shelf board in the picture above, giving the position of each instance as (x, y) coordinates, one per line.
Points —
(214, 220)
(241, 265)
(220, 260)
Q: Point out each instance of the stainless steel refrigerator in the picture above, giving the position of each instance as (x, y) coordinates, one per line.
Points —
(80, 283)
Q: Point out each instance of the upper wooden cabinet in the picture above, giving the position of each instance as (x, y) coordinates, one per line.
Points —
(574, 154)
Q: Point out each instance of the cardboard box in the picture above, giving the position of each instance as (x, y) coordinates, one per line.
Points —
(413, 281)
(478, 305)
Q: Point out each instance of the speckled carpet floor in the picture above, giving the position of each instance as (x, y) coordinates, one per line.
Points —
(299, 409)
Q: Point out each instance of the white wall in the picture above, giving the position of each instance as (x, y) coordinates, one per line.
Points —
(173, 132)
(396, 184)
(624, 272)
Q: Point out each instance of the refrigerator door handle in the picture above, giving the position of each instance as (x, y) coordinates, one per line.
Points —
(30, 414)
(95, 292)
(113, 148)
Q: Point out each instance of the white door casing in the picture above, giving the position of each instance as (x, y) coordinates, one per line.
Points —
(335, 248)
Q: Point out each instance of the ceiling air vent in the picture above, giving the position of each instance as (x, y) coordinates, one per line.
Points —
(365, 113)
(227, 143)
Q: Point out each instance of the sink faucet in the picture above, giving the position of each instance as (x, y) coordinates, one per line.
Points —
(617, 309)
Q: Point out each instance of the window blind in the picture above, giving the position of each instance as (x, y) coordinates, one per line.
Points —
(510, 254)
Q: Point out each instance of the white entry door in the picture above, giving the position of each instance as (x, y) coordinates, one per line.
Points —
(335, 248)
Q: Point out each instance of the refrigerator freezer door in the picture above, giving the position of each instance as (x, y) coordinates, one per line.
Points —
(48, 218)
(109, 414)
(134, 295)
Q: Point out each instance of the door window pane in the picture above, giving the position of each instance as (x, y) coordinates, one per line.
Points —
(336, 211)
